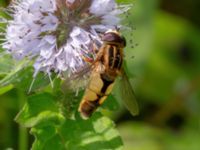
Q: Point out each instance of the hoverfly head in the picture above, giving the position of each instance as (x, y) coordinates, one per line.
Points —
(114, 37)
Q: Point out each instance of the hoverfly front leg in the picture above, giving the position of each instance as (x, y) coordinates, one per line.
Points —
(98, 55)
(93, 54)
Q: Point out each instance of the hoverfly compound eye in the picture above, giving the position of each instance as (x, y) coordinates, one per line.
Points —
(114, 37)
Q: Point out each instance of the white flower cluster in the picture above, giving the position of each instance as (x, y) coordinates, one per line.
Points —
(58, 33)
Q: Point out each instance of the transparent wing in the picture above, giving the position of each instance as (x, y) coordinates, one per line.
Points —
(77, 80)
(127, 95)
(81, 73)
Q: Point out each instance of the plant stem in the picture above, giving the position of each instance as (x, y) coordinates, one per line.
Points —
(23, 133)
(23, 138)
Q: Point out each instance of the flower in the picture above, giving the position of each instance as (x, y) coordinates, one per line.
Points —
(57, 34)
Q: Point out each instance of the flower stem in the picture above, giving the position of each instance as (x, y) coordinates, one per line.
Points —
(23, 138)
(23, 133)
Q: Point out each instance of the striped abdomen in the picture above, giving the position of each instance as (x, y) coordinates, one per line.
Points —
(101, 84)
(95, 94)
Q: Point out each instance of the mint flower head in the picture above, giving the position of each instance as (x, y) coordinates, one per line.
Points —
(57, 34)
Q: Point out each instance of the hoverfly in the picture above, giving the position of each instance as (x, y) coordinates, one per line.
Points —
(105, 68)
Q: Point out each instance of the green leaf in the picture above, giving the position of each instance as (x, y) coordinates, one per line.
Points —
(37, 83)
(6, 64)
(40, 109)
(95, 133)
(46, 139)
(22, 77)
(5, 89)
(13, 74)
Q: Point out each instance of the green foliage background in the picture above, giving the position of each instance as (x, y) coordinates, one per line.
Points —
(166, 79)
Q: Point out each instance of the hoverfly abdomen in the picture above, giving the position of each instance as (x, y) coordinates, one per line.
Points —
(88, 107)
(99, 88)
(106, 83)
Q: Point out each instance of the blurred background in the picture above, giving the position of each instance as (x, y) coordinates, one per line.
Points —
(165, 44)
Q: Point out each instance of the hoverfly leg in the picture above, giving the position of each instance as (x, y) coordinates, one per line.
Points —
(95, 48)
(88, 59)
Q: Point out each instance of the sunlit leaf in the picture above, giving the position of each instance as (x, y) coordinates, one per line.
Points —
(39, 109)
(96, 133)
(13, 74)
(6, 65)
(5, 89)
(46, 139)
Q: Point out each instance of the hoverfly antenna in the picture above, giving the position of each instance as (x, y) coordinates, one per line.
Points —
(117, 28)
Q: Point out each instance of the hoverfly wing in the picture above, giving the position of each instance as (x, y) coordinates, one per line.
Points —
(127, 95)
(70, 83)
(81, 73)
